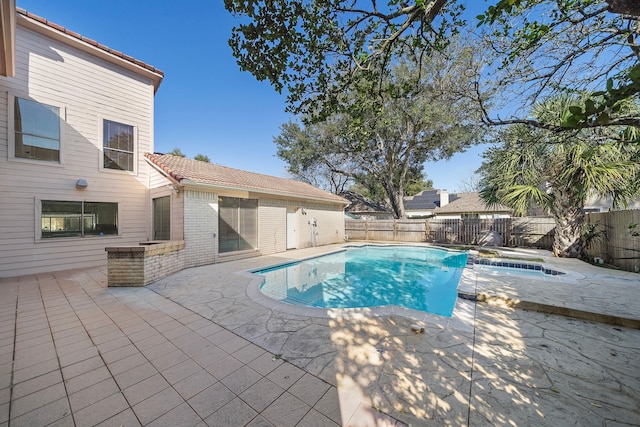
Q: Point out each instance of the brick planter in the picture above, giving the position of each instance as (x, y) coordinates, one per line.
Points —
(144, 264)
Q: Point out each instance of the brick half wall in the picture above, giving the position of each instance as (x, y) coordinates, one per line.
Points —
(144, 264)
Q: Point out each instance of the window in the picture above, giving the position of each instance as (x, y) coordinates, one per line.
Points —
(162, 218)
(37, 130)
(118, 146)
(77, 219)
(238, 221)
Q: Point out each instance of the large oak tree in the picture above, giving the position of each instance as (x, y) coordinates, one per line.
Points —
(316, 49)
(421, 114)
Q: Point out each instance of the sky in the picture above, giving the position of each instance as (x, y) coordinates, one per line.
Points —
(205, 104)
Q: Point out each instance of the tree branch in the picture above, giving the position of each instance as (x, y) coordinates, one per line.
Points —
(624, 7)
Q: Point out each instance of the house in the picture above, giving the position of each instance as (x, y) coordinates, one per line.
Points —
(445, 205)
(605, 204)
(362, 208)
(77, 117)
(424, 204)
(223, 213)
(470, 206)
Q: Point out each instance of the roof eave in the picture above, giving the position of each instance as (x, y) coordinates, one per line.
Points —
(173, 179)
(191, 183)
(155, 76)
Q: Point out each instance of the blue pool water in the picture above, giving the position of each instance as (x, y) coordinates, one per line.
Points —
(413, 277)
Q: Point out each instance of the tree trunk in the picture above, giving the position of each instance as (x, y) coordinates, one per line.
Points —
(397, 204)
(569, 219)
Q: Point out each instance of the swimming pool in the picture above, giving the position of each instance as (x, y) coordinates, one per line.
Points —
(417, 278)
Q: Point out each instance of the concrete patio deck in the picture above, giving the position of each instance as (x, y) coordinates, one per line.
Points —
(195, 349)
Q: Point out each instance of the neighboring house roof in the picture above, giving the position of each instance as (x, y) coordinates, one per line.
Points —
(424, 200)
(60, 33)
(471, 203)
(360, 204)
(194, 172)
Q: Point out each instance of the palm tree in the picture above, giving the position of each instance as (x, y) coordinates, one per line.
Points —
(559, 172)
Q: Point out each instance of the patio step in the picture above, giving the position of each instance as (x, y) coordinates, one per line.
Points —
(503, 301)
(234, 256)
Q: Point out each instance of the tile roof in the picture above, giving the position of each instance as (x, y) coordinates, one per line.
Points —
(470, 202)
(89, 41)
(182, 169)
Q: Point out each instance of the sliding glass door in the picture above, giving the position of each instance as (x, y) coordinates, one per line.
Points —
(238, 222)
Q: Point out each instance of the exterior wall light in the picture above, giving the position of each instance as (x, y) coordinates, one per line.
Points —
(81, 184)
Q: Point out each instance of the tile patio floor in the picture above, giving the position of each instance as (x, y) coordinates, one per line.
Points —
(195, 349)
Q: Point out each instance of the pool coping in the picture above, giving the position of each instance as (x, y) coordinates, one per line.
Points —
(467, 290)
(461, 318)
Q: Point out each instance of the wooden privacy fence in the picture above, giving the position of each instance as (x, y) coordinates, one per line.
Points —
(531, 232)
(386, 230)
(614, 240)
(614, 236)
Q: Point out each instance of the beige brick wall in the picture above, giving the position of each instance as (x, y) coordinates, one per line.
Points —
(200, 227)
(162, 265)
(141, 265)
(125, 268)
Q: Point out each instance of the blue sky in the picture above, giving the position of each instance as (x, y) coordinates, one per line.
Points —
(205, 103)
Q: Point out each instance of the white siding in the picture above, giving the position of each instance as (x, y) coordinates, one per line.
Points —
(272, 222)
(272, 226)
(330, 225)
(90, 90)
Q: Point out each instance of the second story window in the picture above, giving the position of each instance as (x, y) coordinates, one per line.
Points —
(37, 130)
(118, 146)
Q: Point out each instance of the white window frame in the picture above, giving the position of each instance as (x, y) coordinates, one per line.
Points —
(11, 130)
(135, 146)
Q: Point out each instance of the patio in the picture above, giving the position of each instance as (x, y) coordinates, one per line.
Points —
(195, 349)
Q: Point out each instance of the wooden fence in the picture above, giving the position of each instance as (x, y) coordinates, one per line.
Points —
(613, 233)
(614, 240)
(531, 232)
